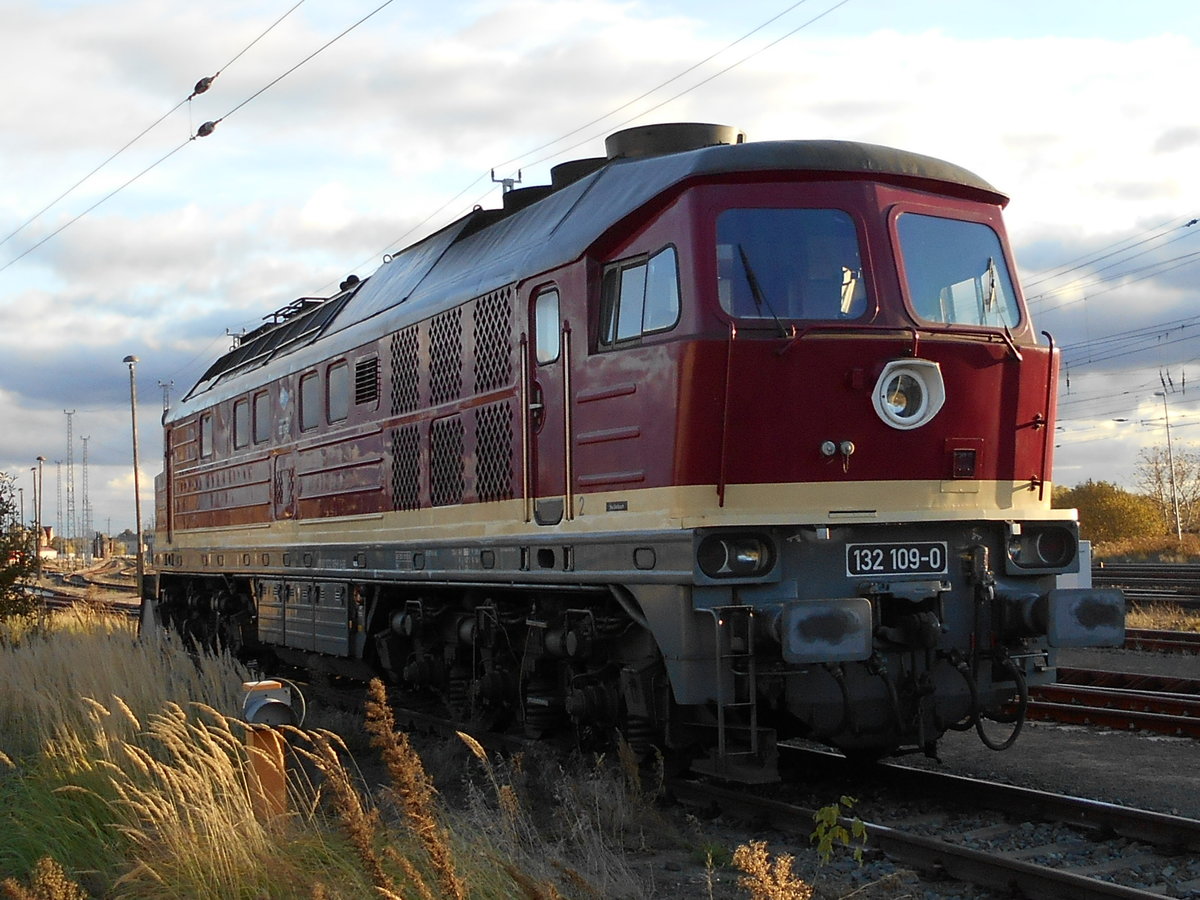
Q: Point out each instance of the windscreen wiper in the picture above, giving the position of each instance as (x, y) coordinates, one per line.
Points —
(760, 299)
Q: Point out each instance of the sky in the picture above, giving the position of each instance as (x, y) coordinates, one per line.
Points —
(322, 160)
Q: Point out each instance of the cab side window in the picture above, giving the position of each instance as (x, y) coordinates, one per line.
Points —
(206, 436)
(310, 401)
(241, 424)
(337, 382)
(547, 337)
(639, 296)
(262, 417)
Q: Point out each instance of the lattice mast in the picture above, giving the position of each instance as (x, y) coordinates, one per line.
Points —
(88, 533)
(58, 523)
(70, 524)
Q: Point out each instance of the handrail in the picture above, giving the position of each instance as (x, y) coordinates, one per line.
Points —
(568, 455)
(725, 416)
(1048, 436)
(526, 430)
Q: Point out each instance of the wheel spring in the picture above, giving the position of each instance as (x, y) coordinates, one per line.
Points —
(544, 711)
(639, 733)
(457, 685)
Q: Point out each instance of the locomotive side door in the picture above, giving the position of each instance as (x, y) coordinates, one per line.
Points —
(548, 414)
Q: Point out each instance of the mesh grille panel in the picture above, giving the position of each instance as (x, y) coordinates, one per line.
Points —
(493, 452)
(445, 357)
(493, 337)
(405, 372)
(406, 468)
(446, 461)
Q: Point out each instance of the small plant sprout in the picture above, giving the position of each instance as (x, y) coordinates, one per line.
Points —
(832, 830)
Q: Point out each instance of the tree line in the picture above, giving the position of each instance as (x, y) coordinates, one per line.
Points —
(1108, 512)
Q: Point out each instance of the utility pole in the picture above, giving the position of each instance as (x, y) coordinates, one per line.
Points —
(131, 361)
(37, 546)
(58, 488)
(1171, 466)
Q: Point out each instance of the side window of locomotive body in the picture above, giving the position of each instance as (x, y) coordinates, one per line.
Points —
(262, 417)
(789, 264)
(640, 296)
(547, 337)
(955, 272)
(241, 424)
(310, 401)
(206, 436)
(337, 382)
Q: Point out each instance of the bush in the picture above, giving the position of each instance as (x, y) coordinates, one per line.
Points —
(1110, 513)
(15, 561)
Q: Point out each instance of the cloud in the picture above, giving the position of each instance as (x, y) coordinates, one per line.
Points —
(1175, 139)
(370, 140)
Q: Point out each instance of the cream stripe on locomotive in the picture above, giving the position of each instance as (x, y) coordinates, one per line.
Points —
(654, 509)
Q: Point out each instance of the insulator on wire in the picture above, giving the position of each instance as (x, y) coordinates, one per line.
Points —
(203, 84)
(206, 129)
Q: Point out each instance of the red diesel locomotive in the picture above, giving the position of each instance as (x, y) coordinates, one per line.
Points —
(710, 443)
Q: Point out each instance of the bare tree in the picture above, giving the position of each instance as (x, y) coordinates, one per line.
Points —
(1154, 480)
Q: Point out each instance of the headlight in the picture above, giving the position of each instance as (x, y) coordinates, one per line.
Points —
(1043, 547)
(735, 556)
(909, 393)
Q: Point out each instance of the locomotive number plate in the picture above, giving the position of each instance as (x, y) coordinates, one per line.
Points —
(911, 558)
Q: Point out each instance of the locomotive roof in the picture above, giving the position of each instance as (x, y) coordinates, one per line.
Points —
(471, 257)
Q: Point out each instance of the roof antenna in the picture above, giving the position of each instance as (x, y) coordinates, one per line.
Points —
(507, 182)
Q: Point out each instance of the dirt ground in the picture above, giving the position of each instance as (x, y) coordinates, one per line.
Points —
(1133, 769)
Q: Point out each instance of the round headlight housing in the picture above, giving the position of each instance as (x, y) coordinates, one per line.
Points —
(1043, 547)
(909, 393)
(735, 556)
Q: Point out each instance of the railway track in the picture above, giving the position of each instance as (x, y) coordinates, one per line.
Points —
(1162, 641)
(1120, 700)
(1011, 840)
(1149, 583)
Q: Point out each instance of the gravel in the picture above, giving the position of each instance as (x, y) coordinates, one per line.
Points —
(1133, 769)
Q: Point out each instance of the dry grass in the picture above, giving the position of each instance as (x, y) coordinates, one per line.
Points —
(1158, 548)
(124, 774)
(1166, 616)
(765, 879)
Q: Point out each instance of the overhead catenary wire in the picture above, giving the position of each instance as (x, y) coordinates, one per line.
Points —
(1094, 256)
(658, 87)
(203, 131)
(700, 83)
(626, 105)
(201, 87)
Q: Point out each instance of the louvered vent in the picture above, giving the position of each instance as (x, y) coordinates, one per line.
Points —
(366, 381)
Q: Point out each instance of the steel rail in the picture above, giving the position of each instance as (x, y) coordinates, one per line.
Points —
(1128, 681)
(984, 869)
(1162, 641)
(1116, 719)
(1164, 830)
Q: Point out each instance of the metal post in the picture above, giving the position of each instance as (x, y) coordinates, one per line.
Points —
(1171, 466)
(131, 361)
(37, 535)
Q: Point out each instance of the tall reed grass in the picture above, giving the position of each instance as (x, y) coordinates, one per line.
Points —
(124, 773)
